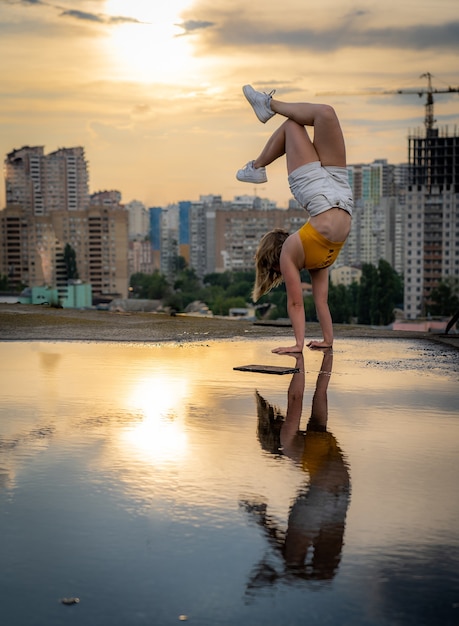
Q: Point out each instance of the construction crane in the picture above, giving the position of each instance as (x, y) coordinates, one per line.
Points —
(429, 92)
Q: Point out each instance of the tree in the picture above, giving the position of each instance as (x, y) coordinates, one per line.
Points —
(366, 303)
(339, 303)
(222, 279)
(149, 286)
(187, 281)
(211, 293)
(310, 309)
(179, 263)
(222, 305)
(353, 296)
(3, 282)
(389, 293)
(242, 288)
(380, 292)
(278, 298)
(70, 262)
(444, 298)
(242, 276)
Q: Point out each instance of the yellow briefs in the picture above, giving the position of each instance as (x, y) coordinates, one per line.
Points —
(319, 252)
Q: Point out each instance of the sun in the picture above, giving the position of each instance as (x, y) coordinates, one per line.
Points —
(151, 48)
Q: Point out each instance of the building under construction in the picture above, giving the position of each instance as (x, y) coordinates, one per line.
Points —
(432, 212)
(434, 159)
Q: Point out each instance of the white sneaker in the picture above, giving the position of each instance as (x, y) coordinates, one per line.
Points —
(261, 102)
(250, 174)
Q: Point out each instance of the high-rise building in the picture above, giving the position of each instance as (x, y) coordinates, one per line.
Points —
(48, 209)
(106, 199)
(25, 179)
(42, 183)
(155, 235)
(376, 226)
(217, 236)
(239, 231)
(432, 216)
(32, 248)
(169, 240)
(184, 207)
(140, 257)
(196, 232)
(202, 234)
(66, 180)
(139, 220)
(14, 237)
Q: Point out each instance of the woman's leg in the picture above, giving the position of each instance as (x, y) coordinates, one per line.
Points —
(291, 139)
(328, 137)
(274, 148)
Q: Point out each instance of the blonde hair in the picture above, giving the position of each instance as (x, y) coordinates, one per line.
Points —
(269, 425)
(267, 272)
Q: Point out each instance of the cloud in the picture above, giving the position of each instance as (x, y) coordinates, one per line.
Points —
(358, 13)
(190, 26)
(99, 17)
(83, 15)
(121, 19)
(86, 16)
(31, 3)
(235, 32)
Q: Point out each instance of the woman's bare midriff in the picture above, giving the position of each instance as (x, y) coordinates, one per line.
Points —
(333, 224)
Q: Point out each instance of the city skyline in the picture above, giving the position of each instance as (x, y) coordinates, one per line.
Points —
(153, 93)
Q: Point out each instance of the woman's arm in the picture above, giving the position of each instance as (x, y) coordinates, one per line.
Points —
(319, 280)
(295, 304)
(293, 445)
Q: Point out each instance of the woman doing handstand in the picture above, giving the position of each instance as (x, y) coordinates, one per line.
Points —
(318, 180)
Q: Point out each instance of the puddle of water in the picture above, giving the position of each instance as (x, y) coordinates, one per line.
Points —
(154, 481)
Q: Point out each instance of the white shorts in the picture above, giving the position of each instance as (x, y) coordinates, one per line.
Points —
(319, 508)
(320, 188)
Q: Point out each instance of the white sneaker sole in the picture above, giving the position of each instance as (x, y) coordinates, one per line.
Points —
(243, 178)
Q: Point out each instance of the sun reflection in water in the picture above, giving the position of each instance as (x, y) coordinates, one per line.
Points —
(160, 436)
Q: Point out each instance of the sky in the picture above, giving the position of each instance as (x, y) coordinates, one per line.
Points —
(152, 89)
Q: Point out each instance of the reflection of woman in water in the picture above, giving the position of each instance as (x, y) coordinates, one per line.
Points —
(311, 547)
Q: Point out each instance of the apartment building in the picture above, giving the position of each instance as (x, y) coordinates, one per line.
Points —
(139, 220)
(32, 248)
(140, 257)
(377, 225)
(238, 233)
(25, 179)
(216, 236)
(42, 183)
(202, 231)
(345, 275)
(66, 180)
(168, 234)
(48, 207)
(432, 216)
(154, 232)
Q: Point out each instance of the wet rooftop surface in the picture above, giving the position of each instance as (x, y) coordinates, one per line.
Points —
(156, 484)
